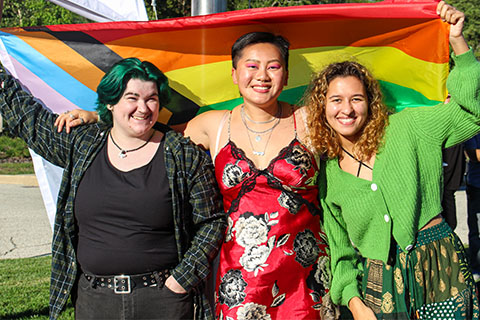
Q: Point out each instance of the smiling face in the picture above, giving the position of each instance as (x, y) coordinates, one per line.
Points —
(137, 110)
(260, 74)
(346, 108)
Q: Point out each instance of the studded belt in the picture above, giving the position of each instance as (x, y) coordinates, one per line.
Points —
(124, 284)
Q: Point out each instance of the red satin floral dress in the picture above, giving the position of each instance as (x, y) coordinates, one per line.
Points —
(274, 262)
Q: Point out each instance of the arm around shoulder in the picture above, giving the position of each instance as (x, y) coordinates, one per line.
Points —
(202, 129)
(26, 118)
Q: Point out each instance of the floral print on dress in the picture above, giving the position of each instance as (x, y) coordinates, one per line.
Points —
(254, 257)
(232, 288)
(233, 175)
(228, 233)
(300, 159)
(289, 202)
(318, 278)
(253, 311)
(251, 230)
(306, 248)
(267, 242)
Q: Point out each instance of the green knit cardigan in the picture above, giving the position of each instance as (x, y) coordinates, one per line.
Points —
(406, 188)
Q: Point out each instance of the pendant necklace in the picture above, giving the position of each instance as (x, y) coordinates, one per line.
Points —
(258, 134)
(360, 163)
(123, 152)
(261, 153)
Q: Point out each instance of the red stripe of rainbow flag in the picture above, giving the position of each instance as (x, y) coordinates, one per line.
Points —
(403, 43)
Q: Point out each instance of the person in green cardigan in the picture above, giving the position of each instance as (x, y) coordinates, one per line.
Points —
(393, 257)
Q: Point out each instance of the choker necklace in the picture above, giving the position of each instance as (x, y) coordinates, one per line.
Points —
(360, 163)
(123, 152)
(258, 134)
(242, 110)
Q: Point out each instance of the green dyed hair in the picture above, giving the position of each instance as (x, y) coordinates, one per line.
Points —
(114, 82)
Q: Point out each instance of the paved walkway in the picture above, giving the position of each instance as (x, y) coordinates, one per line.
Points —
(24, 227)
(25, 230)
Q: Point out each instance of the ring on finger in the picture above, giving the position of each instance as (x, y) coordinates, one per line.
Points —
(71, 116)
(82, 121)
(66, 112)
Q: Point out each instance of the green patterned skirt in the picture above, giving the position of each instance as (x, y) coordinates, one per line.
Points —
(432, 281)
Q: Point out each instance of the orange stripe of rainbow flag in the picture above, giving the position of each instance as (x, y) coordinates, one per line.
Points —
(403, 43)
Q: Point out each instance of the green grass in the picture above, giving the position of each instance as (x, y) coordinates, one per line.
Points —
(16, 168)
(24, 289)
(13, 148)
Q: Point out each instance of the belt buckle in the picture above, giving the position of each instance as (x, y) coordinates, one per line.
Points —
(121, 284)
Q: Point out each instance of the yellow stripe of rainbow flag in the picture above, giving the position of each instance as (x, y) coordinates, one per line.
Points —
(403, 43)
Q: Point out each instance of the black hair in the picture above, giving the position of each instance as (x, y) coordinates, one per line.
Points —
(260, 37)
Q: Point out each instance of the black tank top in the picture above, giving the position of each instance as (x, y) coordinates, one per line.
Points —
(124, 219)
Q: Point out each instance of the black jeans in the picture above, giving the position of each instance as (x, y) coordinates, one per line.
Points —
(141, 303)
(473, 207)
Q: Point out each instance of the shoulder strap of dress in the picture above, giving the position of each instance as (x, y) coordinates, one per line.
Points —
(219, 133)
(294, 121)
(304, 118)
(316, 155)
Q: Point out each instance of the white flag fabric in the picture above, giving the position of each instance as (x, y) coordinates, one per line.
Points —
(107, 10)
(49, 177)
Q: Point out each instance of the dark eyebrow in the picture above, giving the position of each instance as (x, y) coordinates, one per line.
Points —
(355, 95)
(334, 96)
(137, 95)
(270, 61)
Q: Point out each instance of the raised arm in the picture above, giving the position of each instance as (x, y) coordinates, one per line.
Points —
(200, 129)
(456, 19)
(26, 118)
(452, 123)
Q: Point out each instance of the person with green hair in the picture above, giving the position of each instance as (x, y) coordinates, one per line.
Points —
(274, 263)
(139, 216)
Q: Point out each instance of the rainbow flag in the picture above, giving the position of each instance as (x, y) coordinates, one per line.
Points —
(403, 43)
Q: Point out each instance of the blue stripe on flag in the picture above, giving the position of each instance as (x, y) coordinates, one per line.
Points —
(54, 76)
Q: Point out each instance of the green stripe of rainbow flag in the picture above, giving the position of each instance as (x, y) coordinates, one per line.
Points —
(403, 43)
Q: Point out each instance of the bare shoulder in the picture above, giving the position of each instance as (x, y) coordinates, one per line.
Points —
(203, 127)
(207, 121)
(301, 117)
(301, 111)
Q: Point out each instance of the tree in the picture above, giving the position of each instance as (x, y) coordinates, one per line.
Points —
(36, 13)
(168, 9)
(245, 4)
(471, 8)
(182, 8)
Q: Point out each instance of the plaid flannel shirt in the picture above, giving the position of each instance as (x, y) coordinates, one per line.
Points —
(197, 205)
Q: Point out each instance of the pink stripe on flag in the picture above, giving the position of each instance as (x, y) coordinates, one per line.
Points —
(41, 90)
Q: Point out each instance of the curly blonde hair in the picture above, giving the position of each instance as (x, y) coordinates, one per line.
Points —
(321, 135)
